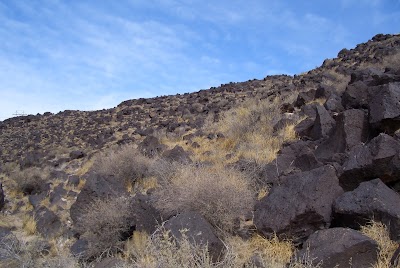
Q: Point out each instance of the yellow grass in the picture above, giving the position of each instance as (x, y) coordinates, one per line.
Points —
(29, 225)
(249, 133)
(263, 192)
(272, 252)
(378, 232)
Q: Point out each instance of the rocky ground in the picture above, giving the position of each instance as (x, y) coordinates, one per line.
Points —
(84, 188)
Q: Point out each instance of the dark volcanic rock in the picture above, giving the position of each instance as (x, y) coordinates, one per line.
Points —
(371, 200)
(197, 230)
(304, 97)
(57, 193)
(109, 263)
(296, 157)
(177, 154)
(334, 103)
(323, 123)
(151, 146)
(355, 96)
(395, 260)
(340, 247)
(384, 107)
(300, 205)
(79, 248)
(96, 187)
(36, 199)
(47, 223)
(351, 129)
(303, 129)
(143, 217)
(2, 197)
(73, 180)
(378, 159)
(76, 154)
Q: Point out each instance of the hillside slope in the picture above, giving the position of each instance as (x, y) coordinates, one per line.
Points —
(289, 171)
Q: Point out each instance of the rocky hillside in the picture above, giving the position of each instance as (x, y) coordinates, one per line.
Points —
(37, 138)
(288, 171)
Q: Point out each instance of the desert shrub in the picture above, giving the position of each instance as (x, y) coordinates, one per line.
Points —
(160, 250)
(379, 232)
(31, 180)
(105, 223)
(219, 194)
(125, 163)
(249, 129)
(23, 252)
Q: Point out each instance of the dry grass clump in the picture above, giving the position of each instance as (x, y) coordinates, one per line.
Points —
(125, 163)
(30, 180)
(378, 232)
(219, 194)
(269, 252)
(15, 253)
(249, 129)
(105, 223)
(161, 250)
(29, 224)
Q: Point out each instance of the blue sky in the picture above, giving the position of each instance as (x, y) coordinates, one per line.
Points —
(89, 55)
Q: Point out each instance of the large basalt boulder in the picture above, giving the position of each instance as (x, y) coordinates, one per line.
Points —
(296, 157)
(96, 187)
(351, 129)
(377, 159)
(333, 103)
(143, 216)
(355, 96)
(177, 154)
(304, 97)
(80, 248)
(47, 222)
(77, 154)
(36, 199)
(340, 247)
(323, 123)
(299, 206)
(372, 200)
(197, 230)
(151, 146)
(384, 107)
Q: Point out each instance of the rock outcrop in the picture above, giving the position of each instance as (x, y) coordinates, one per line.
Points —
(340, 247)
(372, 200)
(301, 205)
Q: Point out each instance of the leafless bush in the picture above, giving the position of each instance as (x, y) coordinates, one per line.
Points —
(104, 223)
(220, 195)
(125, 163)
(160, 250)
(31, 180)
(249, 129)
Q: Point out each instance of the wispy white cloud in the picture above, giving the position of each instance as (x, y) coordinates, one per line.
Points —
(59, 55)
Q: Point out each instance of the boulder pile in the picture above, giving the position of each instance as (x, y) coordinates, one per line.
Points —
(341, 174)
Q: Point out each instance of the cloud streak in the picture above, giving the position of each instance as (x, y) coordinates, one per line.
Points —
(58, 55)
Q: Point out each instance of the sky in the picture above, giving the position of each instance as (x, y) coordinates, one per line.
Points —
(89, 55)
